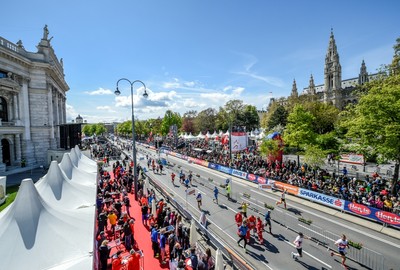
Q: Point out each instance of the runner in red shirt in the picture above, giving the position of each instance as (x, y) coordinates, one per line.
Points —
(260, 229)
(238, 219)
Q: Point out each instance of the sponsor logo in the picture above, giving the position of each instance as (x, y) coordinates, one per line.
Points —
(338, 203)
(251, 177)
(320, 198)
(261, 180)
(225, 169)
(388, 217)
(213, 166)
(239, 173)
(359, 209)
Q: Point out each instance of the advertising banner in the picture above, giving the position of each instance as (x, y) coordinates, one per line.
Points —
(290, 189)
(261, 180)
(373, 213)
(225, 169)
(239, 174)
(352, 159)
(321, 198)
(264, 186)
(252, 177)
(239, 141)
(3, 180)
(213, 166)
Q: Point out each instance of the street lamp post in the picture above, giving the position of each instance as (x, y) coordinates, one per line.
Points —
(145, 95)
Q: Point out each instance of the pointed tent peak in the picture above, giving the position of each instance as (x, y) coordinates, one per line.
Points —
(78, 151)
(74, 157)
(27, 208)
(66, 165)
(54, 179)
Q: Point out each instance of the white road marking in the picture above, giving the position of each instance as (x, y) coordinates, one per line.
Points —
(311, 256)
(337, 223)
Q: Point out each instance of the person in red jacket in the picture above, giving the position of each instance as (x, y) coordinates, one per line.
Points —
(117, 261)
(251, 223)
(260, 229)
(134, 261)
(238, 219)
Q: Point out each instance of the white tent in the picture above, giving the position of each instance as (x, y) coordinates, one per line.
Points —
(190, 137)
(50, 225)
(76, 174)
(82, 164)
(58, 190)
(214, 135)
(200, 136)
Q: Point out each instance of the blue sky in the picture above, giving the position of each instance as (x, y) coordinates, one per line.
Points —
(193, 55)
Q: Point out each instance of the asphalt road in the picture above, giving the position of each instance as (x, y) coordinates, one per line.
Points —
(380, 250)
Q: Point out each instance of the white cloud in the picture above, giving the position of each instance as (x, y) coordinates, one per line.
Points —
(71, 112)
(105, 108)
(191, 103)
(268, 79)
(100, 91)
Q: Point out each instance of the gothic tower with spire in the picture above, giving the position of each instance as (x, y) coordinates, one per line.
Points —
(294, 90)
(311, 87)
(363, 76)
(332, 74)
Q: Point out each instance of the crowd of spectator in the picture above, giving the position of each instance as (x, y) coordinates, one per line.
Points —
(169, 234)
(372, 190)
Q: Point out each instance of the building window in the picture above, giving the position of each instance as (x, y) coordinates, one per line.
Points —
(3, 110)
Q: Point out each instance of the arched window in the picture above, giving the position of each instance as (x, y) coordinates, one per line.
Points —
(3, 110)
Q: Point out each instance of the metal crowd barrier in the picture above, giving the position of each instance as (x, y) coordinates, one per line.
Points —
(235, 261)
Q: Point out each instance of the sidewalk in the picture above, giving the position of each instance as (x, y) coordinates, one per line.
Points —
(16, 175)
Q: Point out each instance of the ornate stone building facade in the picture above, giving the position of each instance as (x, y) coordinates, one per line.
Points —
(32, 102)
(334, 90)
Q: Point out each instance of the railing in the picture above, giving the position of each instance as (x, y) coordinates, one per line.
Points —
(235, 260)
(9, 45)
(363, 255)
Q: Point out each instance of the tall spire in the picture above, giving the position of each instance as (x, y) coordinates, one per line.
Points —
(332, 73)
(363, 76)
(294, 89)
(311, 87)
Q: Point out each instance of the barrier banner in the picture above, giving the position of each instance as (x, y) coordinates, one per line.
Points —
(225, 169)
(239, 174)
(321, 198)
(264, 186)
(352, 159)
(261, 180)
(3, 180)
(252, 177)
(290, 189)
(213, 166)
(373, 213)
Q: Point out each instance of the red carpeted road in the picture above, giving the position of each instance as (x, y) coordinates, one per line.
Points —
(142, 238)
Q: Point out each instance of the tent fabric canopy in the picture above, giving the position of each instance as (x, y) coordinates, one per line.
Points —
(50, 225)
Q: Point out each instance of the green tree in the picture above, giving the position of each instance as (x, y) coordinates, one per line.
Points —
(250, 117)
(269, 147)
(375, 121)
(278, 117)
(325, 116)
(314, 156)
(87, 130)
(188, 122)
(299, 131)
(205, 120)
(170, 118)
(99, 129)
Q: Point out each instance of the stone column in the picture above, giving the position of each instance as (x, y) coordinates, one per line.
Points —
(25, 109)
(16, 108)
(2, 165)
(18, 147)
(51, 115)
